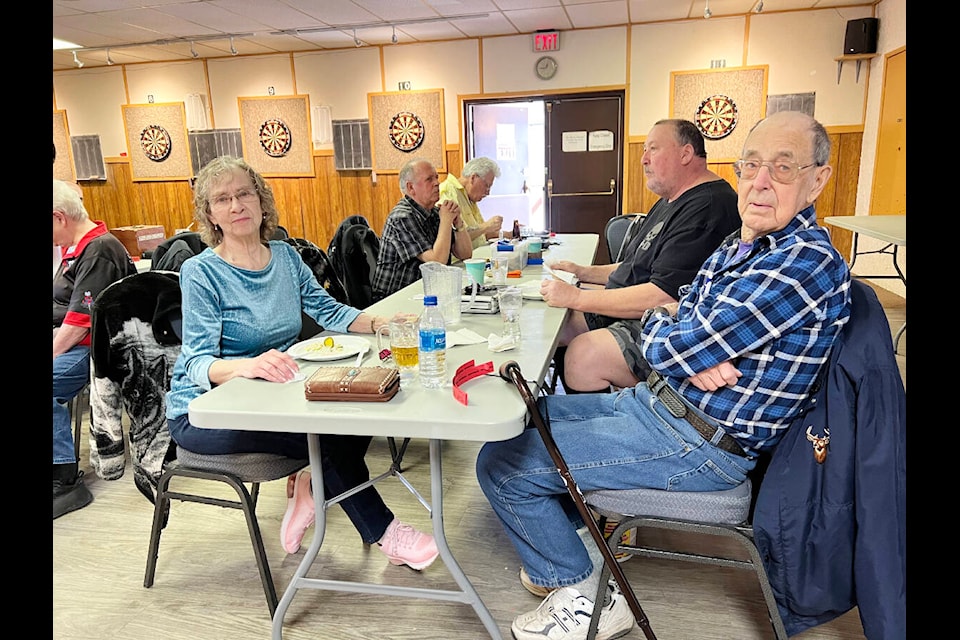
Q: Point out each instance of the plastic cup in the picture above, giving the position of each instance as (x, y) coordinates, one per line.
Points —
(476, 268)
(511, 301)
(499, 265)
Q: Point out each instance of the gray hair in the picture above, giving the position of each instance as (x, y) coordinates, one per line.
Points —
(480, 167)
(211, 175)
(67, 201)
(821, 139)
(406, 172)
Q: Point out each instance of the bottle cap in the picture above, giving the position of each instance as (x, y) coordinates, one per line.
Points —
(430, 301)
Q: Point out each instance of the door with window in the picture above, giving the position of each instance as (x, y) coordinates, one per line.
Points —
(560, 157)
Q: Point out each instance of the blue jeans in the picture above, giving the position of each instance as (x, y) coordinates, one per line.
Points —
(71, 372)
(342, 458)
(620, 440)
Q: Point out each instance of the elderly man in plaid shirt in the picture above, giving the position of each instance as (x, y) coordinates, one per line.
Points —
(418, 231)
(733, 362)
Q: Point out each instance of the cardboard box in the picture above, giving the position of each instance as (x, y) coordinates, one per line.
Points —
(140, 237)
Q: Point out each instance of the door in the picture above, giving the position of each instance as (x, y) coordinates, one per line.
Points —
(584, 164)
(890, 173)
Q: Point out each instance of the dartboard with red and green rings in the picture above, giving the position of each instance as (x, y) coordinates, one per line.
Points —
(275, 138)
(406, 131)
(716, 117)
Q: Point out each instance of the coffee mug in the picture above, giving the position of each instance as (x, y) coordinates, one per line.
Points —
(404, 340)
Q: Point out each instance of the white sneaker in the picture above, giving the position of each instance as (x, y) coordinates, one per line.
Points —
(565, 615)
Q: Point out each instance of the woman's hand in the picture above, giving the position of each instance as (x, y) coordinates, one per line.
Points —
(272, 365)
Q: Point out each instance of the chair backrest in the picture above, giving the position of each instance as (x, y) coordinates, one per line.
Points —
(353, 252)
(281, 233)
(171, 253)
(615, 233)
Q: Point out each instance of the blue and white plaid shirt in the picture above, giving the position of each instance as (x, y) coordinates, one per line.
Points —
(774, 311)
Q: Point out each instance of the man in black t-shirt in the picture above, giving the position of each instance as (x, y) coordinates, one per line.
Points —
(92, 259)
(696, 211)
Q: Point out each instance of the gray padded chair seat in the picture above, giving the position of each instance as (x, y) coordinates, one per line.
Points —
(248, 467)
(722, 507)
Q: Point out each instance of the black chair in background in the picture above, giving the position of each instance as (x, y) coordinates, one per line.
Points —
(615, 233)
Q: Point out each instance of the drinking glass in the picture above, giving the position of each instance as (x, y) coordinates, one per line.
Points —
(511, 301)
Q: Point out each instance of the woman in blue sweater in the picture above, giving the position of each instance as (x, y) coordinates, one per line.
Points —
(242, 303)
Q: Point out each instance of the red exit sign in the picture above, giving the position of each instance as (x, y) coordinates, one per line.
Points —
(546, 41)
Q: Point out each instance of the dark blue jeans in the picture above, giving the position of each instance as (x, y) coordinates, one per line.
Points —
(343, 461)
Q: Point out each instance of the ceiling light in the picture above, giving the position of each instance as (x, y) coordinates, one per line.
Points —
(193, 52)
(706, 11)
(759, 7)
(109, 59)
(356, 40)
(233, 49)
(394, 38)
(77, 60)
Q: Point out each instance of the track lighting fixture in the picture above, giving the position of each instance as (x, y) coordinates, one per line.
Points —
(193, 52)
(356, 40)
(76, 61)
(109, 59)
(759, 7)
(706, 11)
(394, 38)
(233, 49)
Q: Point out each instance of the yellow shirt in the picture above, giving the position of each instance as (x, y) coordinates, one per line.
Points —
(451, 189)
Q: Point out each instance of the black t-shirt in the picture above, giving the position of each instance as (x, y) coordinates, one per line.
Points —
(675, 238)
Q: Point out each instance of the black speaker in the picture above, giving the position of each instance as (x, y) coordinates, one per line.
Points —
(861, 36)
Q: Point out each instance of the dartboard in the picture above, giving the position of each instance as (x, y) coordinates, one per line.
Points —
(275, 138)
(406, 131)
(716, 117)
(155, 142)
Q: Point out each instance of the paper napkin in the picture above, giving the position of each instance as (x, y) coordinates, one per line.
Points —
(500, 343)
(463, 336)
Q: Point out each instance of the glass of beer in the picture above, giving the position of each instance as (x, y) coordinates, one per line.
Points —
(404, 337)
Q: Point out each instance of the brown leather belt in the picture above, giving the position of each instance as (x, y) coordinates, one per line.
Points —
(675, 405)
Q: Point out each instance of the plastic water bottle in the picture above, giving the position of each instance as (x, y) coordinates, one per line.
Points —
(433, 345)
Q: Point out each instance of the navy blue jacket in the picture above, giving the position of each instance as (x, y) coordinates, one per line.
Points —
(833, 535)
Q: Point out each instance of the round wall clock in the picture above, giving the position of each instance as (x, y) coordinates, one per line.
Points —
(546, 68)
(406, 131)
(716, 117)
(275, 138)
(155, 142)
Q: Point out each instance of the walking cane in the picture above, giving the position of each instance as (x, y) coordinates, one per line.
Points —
(510, 371)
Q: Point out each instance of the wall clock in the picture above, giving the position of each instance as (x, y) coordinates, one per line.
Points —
(406, 131)
(275, 138)
(716, 117)
(155, 142)
(546, 68)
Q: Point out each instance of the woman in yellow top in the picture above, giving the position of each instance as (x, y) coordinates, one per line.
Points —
(473, 186)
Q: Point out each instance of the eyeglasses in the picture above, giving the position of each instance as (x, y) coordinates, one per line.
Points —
(783, 171)
(223, 202)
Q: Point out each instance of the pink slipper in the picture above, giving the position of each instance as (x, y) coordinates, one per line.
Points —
(299, 515)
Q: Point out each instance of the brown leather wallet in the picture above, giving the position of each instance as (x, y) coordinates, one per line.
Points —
(352, 384)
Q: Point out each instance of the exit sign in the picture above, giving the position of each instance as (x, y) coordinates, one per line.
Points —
(546, 41)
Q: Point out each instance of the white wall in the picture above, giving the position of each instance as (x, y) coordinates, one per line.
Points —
(798, 47)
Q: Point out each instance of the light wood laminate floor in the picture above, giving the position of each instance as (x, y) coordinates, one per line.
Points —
(207, 586)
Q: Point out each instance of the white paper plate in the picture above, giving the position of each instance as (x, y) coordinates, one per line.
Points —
(531, 291)
(343, 347)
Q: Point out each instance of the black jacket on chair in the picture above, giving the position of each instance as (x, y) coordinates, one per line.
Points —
(832, 534)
